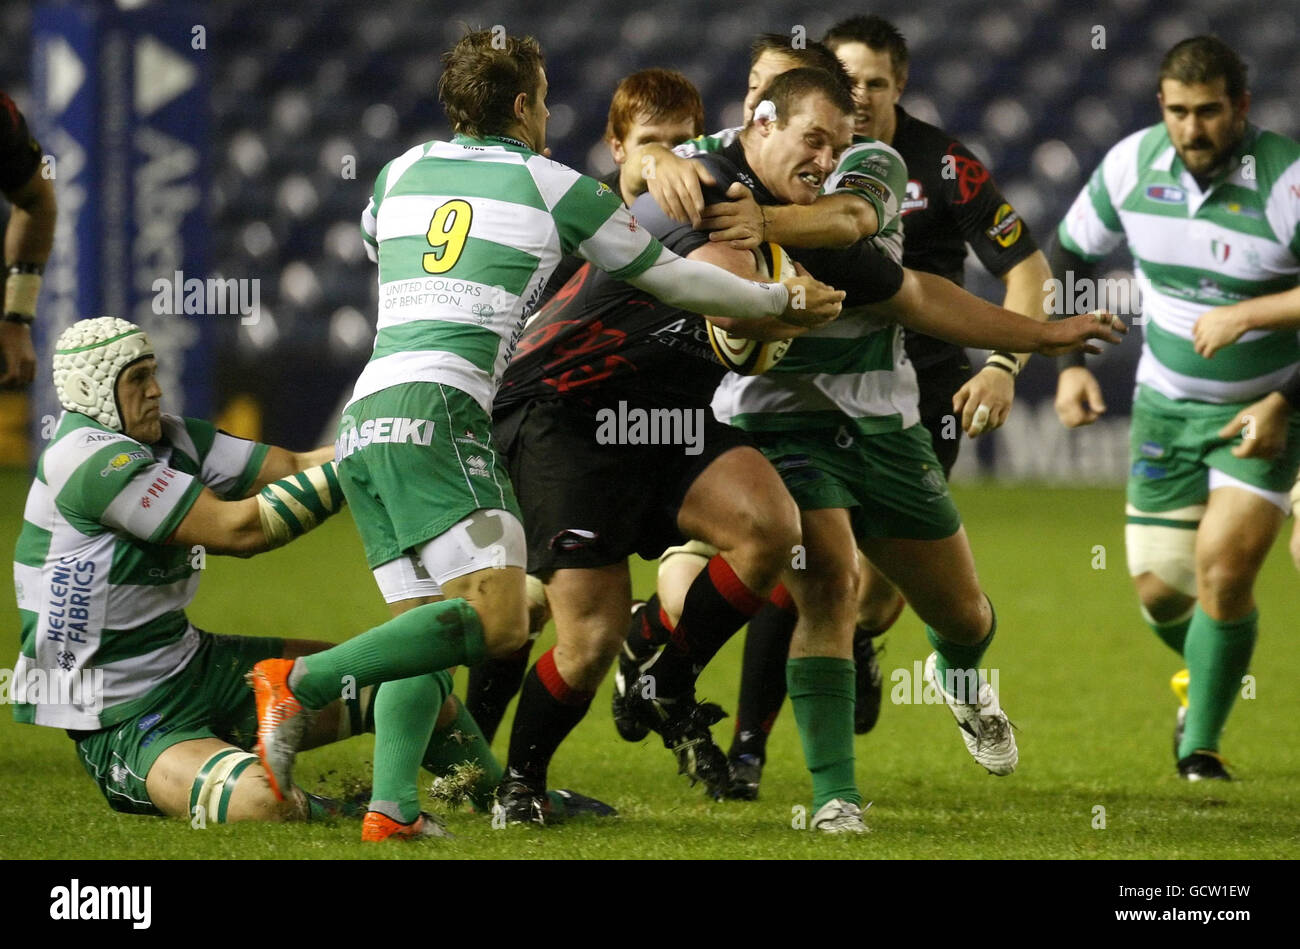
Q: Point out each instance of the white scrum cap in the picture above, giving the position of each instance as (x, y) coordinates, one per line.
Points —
(88, 358)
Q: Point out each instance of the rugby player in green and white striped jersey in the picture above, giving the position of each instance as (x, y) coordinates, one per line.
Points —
(466, 234)
(126, 505)
(1209, 206)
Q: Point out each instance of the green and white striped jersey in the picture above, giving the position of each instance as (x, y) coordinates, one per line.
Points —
(854, 369)
(1194, 250)
(466, 234)
(98, 591)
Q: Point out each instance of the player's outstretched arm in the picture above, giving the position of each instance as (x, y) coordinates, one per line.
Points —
(281, 511)
(282, 463)
(742, 264)
(938, 307)
(703, 288)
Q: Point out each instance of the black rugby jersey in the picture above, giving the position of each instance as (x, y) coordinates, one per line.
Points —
(19, 152)
(601, 335)
(951, 201)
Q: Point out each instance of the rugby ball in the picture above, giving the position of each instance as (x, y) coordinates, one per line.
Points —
(749, 357)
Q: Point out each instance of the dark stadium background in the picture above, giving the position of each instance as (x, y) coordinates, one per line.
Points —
(297, 86)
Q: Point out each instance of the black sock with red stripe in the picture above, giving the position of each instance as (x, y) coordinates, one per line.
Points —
(717, 604)
(492, 684)
(649, 629)
(762, 676)
(548, 710)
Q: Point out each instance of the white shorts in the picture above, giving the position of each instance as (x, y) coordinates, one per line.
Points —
(487, 538)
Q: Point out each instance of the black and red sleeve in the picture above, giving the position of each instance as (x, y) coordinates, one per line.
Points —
(20, 154)
(988, 222)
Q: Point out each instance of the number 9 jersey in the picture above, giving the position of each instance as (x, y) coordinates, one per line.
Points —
(466, 234)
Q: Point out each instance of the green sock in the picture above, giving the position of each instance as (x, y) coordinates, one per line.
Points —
(1172, 633)
(956, 665)
(462, 741)
(1218, 655)
(405, 712)
(822, 694)
(428, 638)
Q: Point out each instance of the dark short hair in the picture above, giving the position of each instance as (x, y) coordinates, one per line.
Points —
(482, 75)
(875, 32)
(657, 94)
(812, 55)
(788, 89)
(1203, 59)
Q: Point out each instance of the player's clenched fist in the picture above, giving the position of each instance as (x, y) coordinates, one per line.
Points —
(812, 303)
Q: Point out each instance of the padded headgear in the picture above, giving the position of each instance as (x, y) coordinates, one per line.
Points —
(88, 358)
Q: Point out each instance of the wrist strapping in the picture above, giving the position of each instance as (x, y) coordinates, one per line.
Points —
(1004, 361)
(22, 287)
(294, 505)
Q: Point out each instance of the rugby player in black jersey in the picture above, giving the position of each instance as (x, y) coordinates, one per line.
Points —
(951, 202)
(652, 105)
(601, 359)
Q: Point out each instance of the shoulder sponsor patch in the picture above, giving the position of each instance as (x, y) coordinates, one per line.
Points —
(860, 182)
(1166, 194)
(1006, 228)
(916, 199)
(121, 460)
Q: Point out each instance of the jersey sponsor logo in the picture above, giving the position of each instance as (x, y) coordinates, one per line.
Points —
(1152, 450)
(381, 431)
(165, 479)
(631, 223)
(120, 461)
(1166, 194)
(93, 438)
(859, 182)
(1233, 207)
(970, 175)
(915, 199)
(67, 600)
(1006, 228)
(602, 189)
(477, 466)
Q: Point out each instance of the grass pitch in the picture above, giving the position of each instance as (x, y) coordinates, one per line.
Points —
(1080, 675)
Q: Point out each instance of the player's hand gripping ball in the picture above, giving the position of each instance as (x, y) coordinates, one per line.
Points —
(749, 357)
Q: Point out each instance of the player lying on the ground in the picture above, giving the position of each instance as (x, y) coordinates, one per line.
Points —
(653, 105)
(600, 350)
(127, 504)
(489, 213)
(1207, 204)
